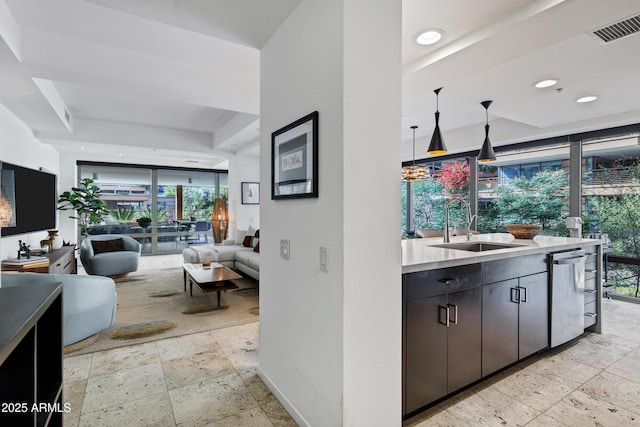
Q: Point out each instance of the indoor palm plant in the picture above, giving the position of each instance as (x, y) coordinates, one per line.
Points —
(85, 201)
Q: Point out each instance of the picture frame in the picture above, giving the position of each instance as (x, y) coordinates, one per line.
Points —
(250, 193)
(294, 159)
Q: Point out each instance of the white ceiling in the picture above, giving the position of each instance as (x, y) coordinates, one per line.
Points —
(176, 82)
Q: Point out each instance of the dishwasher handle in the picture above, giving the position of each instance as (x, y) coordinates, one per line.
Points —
(572, 260)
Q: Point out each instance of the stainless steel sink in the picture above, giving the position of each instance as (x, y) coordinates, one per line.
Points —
(477, 246)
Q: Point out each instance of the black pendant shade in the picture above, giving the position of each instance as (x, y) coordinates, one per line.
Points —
(436, 146)
(486, 153)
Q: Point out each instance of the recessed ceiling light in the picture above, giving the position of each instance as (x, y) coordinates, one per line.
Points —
(588, 98)
(430, 36)
(545, 83)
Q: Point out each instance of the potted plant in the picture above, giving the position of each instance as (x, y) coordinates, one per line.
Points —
(85, 201)
(123, 215)
(144, 221)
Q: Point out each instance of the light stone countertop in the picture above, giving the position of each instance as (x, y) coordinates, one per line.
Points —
(420, 254)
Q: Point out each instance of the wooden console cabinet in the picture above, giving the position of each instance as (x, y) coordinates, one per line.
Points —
(61, 261)
(31, 354)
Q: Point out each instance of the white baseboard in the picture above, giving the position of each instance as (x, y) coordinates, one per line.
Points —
(298, 418)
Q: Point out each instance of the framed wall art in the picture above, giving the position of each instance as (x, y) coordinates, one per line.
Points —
(250, 193)
(294, 159)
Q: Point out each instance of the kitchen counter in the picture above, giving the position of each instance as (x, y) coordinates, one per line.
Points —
(467, 315)
(421, 254)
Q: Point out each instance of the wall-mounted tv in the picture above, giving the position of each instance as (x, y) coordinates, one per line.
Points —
(35, 199)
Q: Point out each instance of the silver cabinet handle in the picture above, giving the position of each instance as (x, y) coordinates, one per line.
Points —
(590, 291)
(517, 297)
(591, 314)
(573, 260)
(588, 270)
(448, 280)
(455, 312)
(446, 313)
(520, 300)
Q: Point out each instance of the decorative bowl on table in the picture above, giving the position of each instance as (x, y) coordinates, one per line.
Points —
(524, 231)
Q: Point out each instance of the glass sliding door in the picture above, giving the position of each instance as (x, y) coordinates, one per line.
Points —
(178, 202)
(187, 197)
(127, 193)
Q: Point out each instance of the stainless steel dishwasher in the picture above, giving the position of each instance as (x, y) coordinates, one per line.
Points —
(567, 295)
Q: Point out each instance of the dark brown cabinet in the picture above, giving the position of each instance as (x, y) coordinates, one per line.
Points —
(515, 322)
(442, 335)
(31, 355)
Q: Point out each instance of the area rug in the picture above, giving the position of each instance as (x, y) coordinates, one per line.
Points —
(151, 305)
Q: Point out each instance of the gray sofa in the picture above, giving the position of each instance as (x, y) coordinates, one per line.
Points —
(110, 262)
(231, 254)
(89, 302)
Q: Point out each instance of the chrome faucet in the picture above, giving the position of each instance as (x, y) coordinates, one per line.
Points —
(470, 218)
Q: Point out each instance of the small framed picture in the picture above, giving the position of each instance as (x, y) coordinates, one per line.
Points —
(294, 159)
(250, 193)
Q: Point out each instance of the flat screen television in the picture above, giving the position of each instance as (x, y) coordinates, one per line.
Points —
(35, 199)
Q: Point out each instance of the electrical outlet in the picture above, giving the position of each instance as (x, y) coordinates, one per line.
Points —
(284, 249)
(324, 259)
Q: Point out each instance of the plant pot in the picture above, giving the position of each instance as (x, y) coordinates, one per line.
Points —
(143, 223)
(524, 231)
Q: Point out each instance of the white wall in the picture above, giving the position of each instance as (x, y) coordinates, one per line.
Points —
(68, 178)
(244, 169)
(330, 342)
(18, 146)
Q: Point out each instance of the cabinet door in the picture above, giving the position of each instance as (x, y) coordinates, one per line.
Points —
(426, 352)
(499, 325)
(534, 314)
(464, 338)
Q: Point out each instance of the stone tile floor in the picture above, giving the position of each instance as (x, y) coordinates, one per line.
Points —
(210, 379)
(203, 379)
(591, 381)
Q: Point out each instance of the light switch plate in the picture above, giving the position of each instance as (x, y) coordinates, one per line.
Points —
(284, 249)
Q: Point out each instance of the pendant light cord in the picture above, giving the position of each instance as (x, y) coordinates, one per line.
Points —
(414, 127)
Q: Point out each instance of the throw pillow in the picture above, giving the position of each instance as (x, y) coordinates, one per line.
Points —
(255, 241)
(240, 236)
(257, 248)
(247, 241)
(101, 246)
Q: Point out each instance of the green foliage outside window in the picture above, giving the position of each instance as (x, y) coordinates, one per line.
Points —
(540, 199)
(618, 215)
(123, 214)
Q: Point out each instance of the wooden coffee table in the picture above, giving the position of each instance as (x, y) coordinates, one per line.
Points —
(216, 278)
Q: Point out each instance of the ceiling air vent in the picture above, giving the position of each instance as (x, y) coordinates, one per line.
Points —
(618, 30)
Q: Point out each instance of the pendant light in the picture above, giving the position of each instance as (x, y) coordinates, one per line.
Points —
(414, 173)
(486, 153)
(436, 146)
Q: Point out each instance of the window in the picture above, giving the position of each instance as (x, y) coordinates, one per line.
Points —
(611, 205)
(178, 200)
(448, 179)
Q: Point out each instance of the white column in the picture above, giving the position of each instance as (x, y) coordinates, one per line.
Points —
(330, 342)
